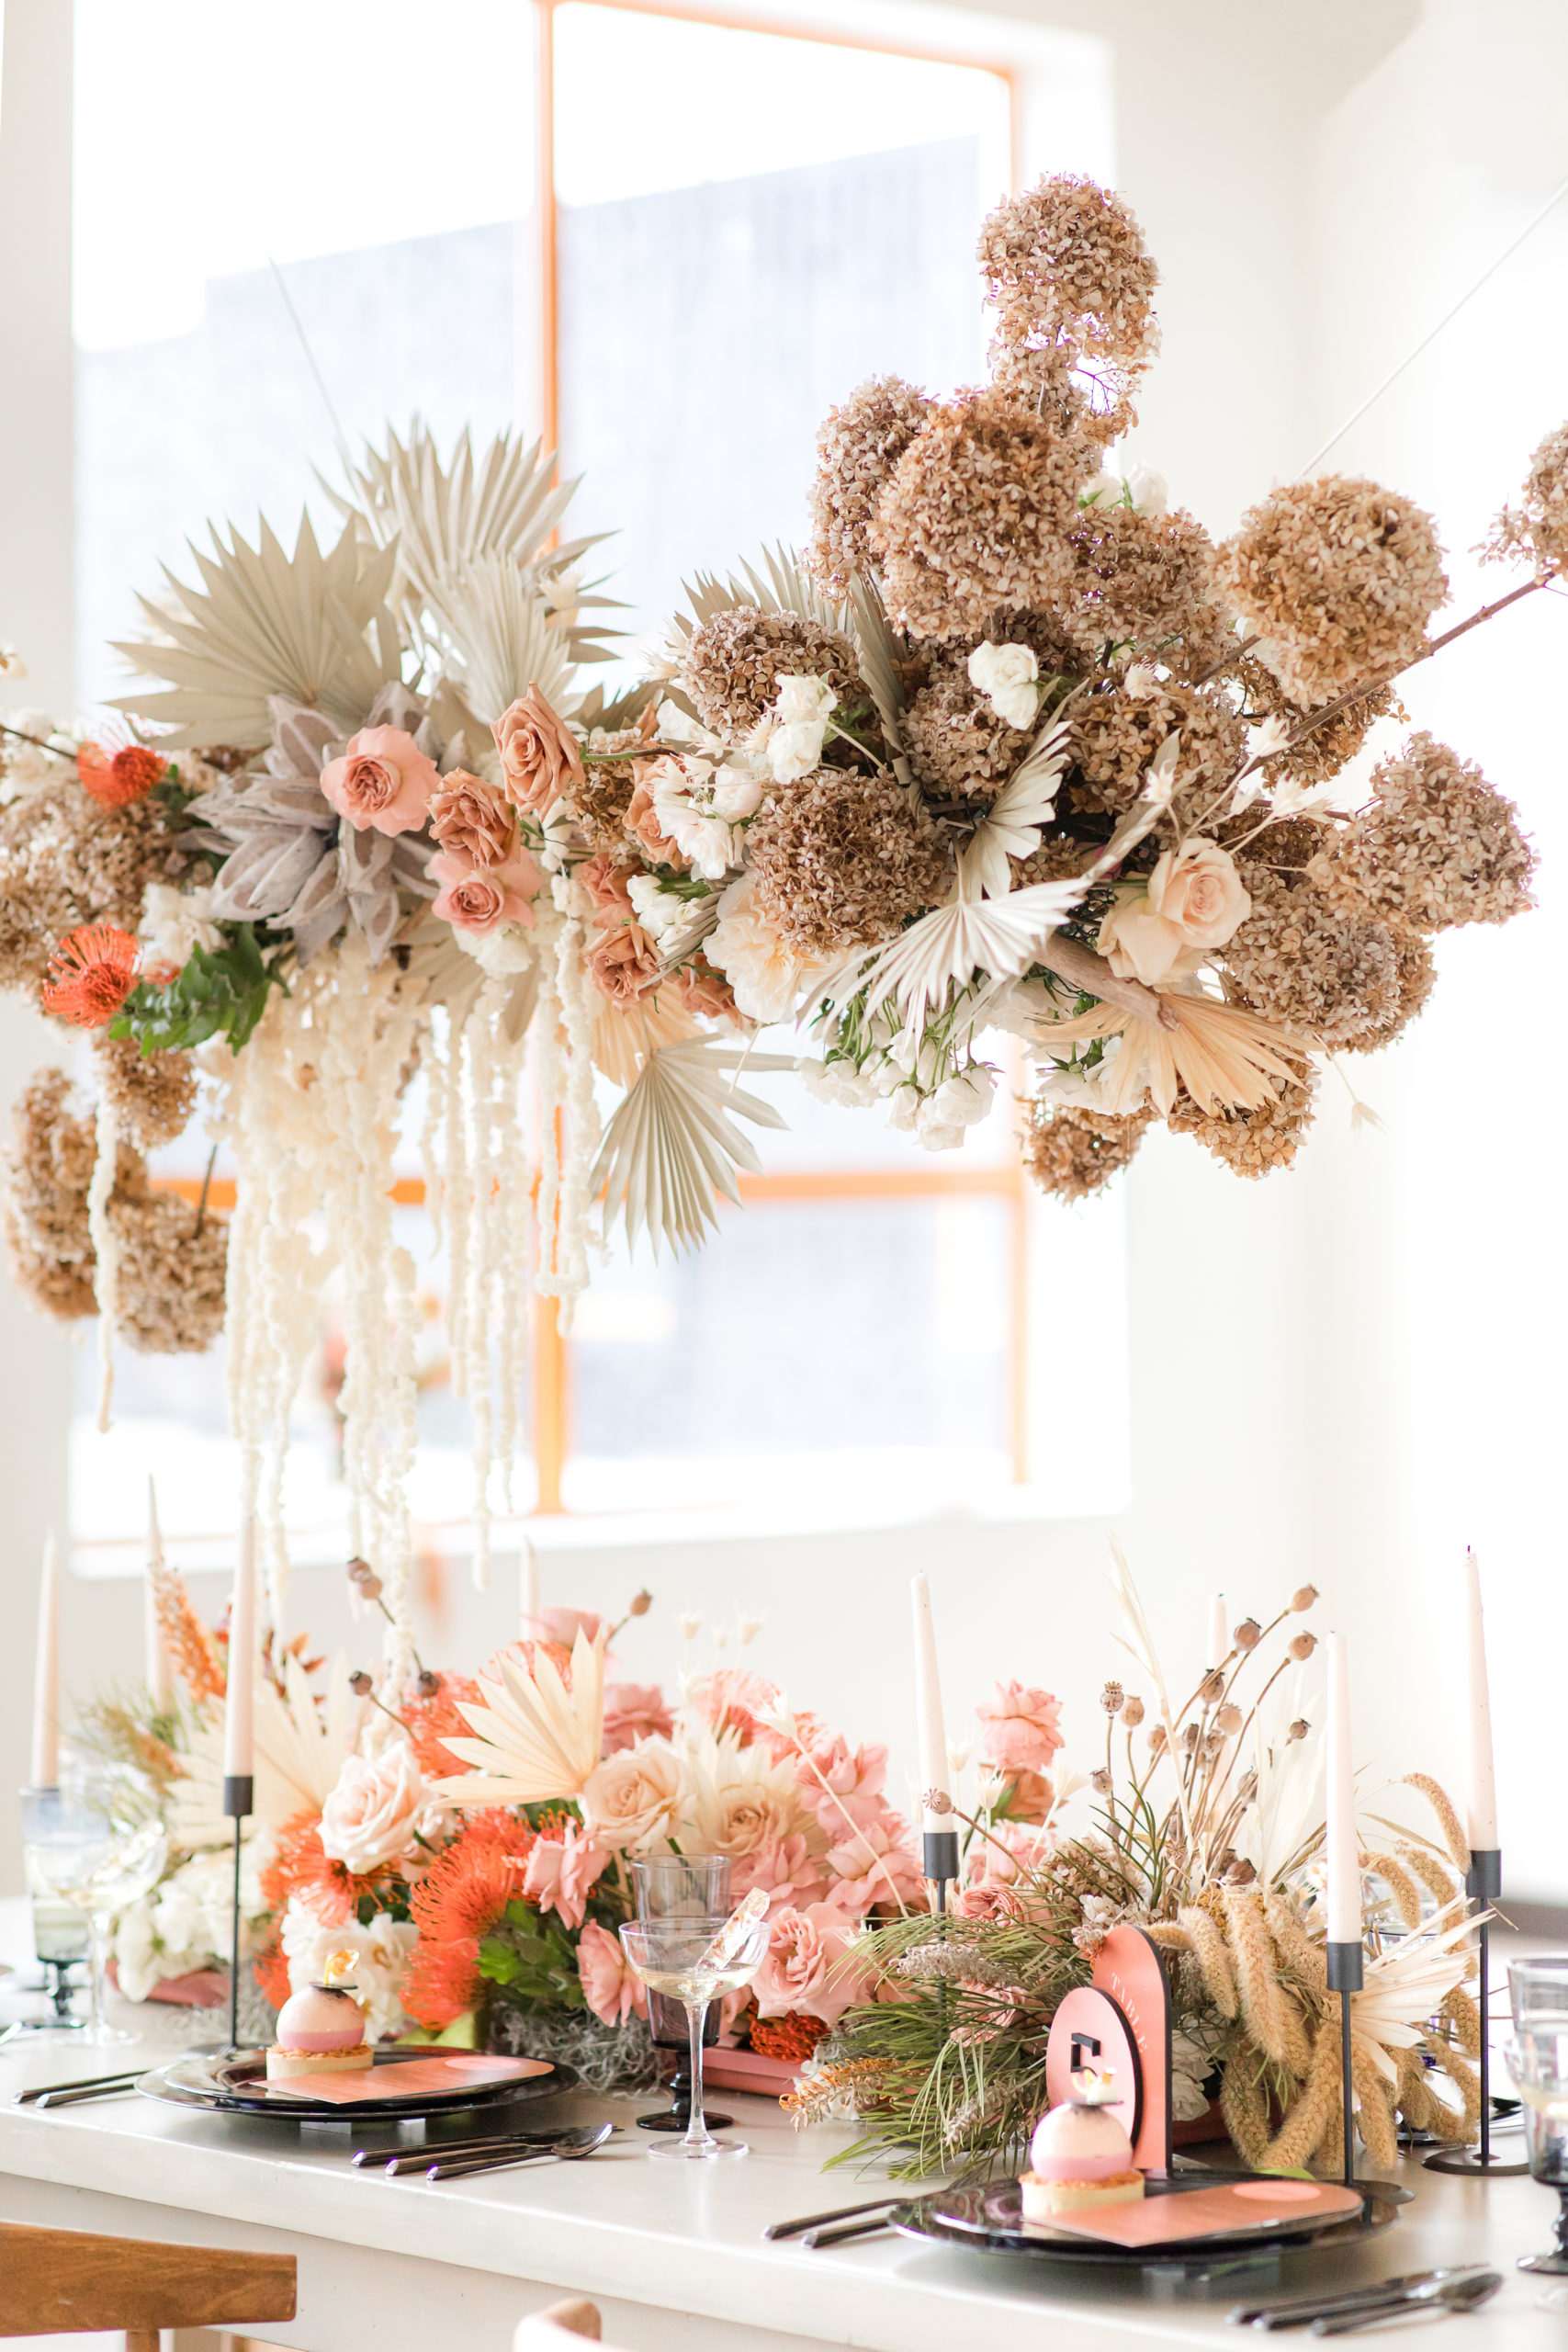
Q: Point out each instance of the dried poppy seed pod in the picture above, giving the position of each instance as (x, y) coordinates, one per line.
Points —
(937, 1800)
(1228, 1719)
(1100, 1781)
(361, 1684)
(1213, 1689)
(1248, 1635)
(359, 1571)
(1303, 1645)
(1241, 1873)
(640, 1603)
(1190, 1736)
(1213, 1745)
(1303, 1599)
(1299, 1729)
(1112, 1697)
(1133, 1713)
(1246, 1787)
(428, 1682)
(1156, 1739)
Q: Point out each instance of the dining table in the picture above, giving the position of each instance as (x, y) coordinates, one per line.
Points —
(674, 2255)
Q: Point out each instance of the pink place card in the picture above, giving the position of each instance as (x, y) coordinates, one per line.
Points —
(451, 2071)
(1236, 2209)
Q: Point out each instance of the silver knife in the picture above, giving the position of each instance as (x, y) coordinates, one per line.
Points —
(1452, 2294)
(1299, 2310)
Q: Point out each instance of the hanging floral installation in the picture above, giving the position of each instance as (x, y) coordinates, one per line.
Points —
(1011, 747)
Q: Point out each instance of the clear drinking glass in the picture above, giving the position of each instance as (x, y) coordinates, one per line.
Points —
(1538, 1987)
(1537, 2060)
(98, 1842)
(671, 1886)
(677, 1957)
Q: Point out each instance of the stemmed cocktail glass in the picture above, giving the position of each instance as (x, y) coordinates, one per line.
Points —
(695, 1961)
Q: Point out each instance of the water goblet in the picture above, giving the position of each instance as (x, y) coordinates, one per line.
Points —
(98, 1842)
(1538, 1988)
(1537, 2060)
(664, 1886)
(695, 1961)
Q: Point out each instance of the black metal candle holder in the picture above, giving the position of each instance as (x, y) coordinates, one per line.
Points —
(239, 1803)
(1347, 1975)
(1483, 1883)
(940, 1861)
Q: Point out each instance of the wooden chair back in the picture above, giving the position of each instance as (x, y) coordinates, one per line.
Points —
(69, 2282)
(558, 2328)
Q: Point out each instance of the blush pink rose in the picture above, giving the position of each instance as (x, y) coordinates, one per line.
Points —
(1008, 1854)
(561, 1873)
(375, 1807)
(732, 1699)
(1022, 1727)
(538, 752)
(854, 1778)
(609, 1986)
(807, 1966)
(562, 1626)
(634, 1710)
(383, 781)
(786, 1871)
(1192, 902)
(876, 1864)
(472, 820)
(476, 898)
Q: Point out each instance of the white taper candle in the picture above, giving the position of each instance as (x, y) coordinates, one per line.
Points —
(1344, 1853)
(45, 1772)
(530, 1587)
(157, 1656)
(239, 1740)
(1219, 1632)
(935, 1772)
(1480, 1796)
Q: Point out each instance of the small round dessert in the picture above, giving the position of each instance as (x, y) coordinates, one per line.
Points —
(1080, 2156)
(321, 2029)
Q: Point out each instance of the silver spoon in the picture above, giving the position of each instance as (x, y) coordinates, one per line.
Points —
(582, 2143)
(1452, 2294)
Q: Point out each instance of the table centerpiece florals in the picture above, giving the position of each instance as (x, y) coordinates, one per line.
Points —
(482, 1905)
(1206, 1830)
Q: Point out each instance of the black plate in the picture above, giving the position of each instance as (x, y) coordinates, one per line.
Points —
(195, 2080)
(989, 2220)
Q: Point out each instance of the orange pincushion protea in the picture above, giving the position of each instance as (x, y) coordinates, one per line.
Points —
(795, 2035)
(116, 779)
(91, 973)
(457, 1901)
(300, 1866)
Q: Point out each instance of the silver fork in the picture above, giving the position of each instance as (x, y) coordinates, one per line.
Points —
(464, 2167)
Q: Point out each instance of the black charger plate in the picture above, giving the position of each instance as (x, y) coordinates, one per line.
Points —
(989, 2220)
(234, 2085)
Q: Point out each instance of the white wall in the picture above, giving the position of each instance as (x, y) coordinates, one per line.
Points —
(1337, 1373)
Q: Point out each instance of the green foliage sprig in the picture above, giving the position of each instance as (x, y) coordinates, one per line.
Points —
(222, 993)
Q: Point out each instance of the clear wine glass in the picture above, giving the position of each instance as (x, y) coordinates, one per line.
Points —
(98, 1842)
(684, 1958)
(676, 1885)
(1537, 2060)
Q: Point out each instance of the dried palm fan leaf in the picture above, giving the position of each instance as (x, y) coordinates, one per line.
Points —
(780, 587)
(876, 658)
(625, 1035)
(1223, 1056)
(671, 1145)
(998, 937)
(510, 639)
(312, 627)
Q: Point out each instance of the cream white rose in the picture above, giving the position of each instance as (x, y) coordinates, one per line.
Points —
(1005, 675)
(1193, 901)
(802, 707)
(377, 1805)
(763, 973)
(632, 1798)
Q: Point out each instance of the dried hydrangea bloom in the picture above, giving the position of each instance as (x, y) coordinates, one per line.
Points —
(858, 446)
(1280, 844)
(1415, 975)
(65, 862)
(153, 1093)
(1144, 582)
(1115, 735)
(1539, 527)
(1317, 759)
(1043, 376)
(45, 1218)
(974, 521)
(1339, 578)
(840, 859)
(599, 801)
(1252, 1143)
(1058, 858)
(1331, 973)
(1073, 1152)
(1067, 257)
(170, 1282)
(1436, 848)
(732, 665)
(955, 741)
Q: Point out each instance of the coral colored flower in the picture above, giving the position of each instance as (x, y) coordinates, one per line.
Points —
(786, 1871)
(300, 1867)
(610, 1987)
(1022, 1727)
(91, 973)
(852, 1793)
(733, 1700)
(807, 1965)
(875, 1864)
(471, 819)
(635, 1711)
(538, 752)
(476, 898)
(429, 1719)
(460, 1898)
(116, 779)
(383, 781)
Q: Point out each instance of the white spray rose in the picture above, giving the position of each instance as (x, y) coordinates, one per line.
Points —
(802, 710)
(1148, 489)
(1005, 675)
(657, 910)
(941, 1118)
